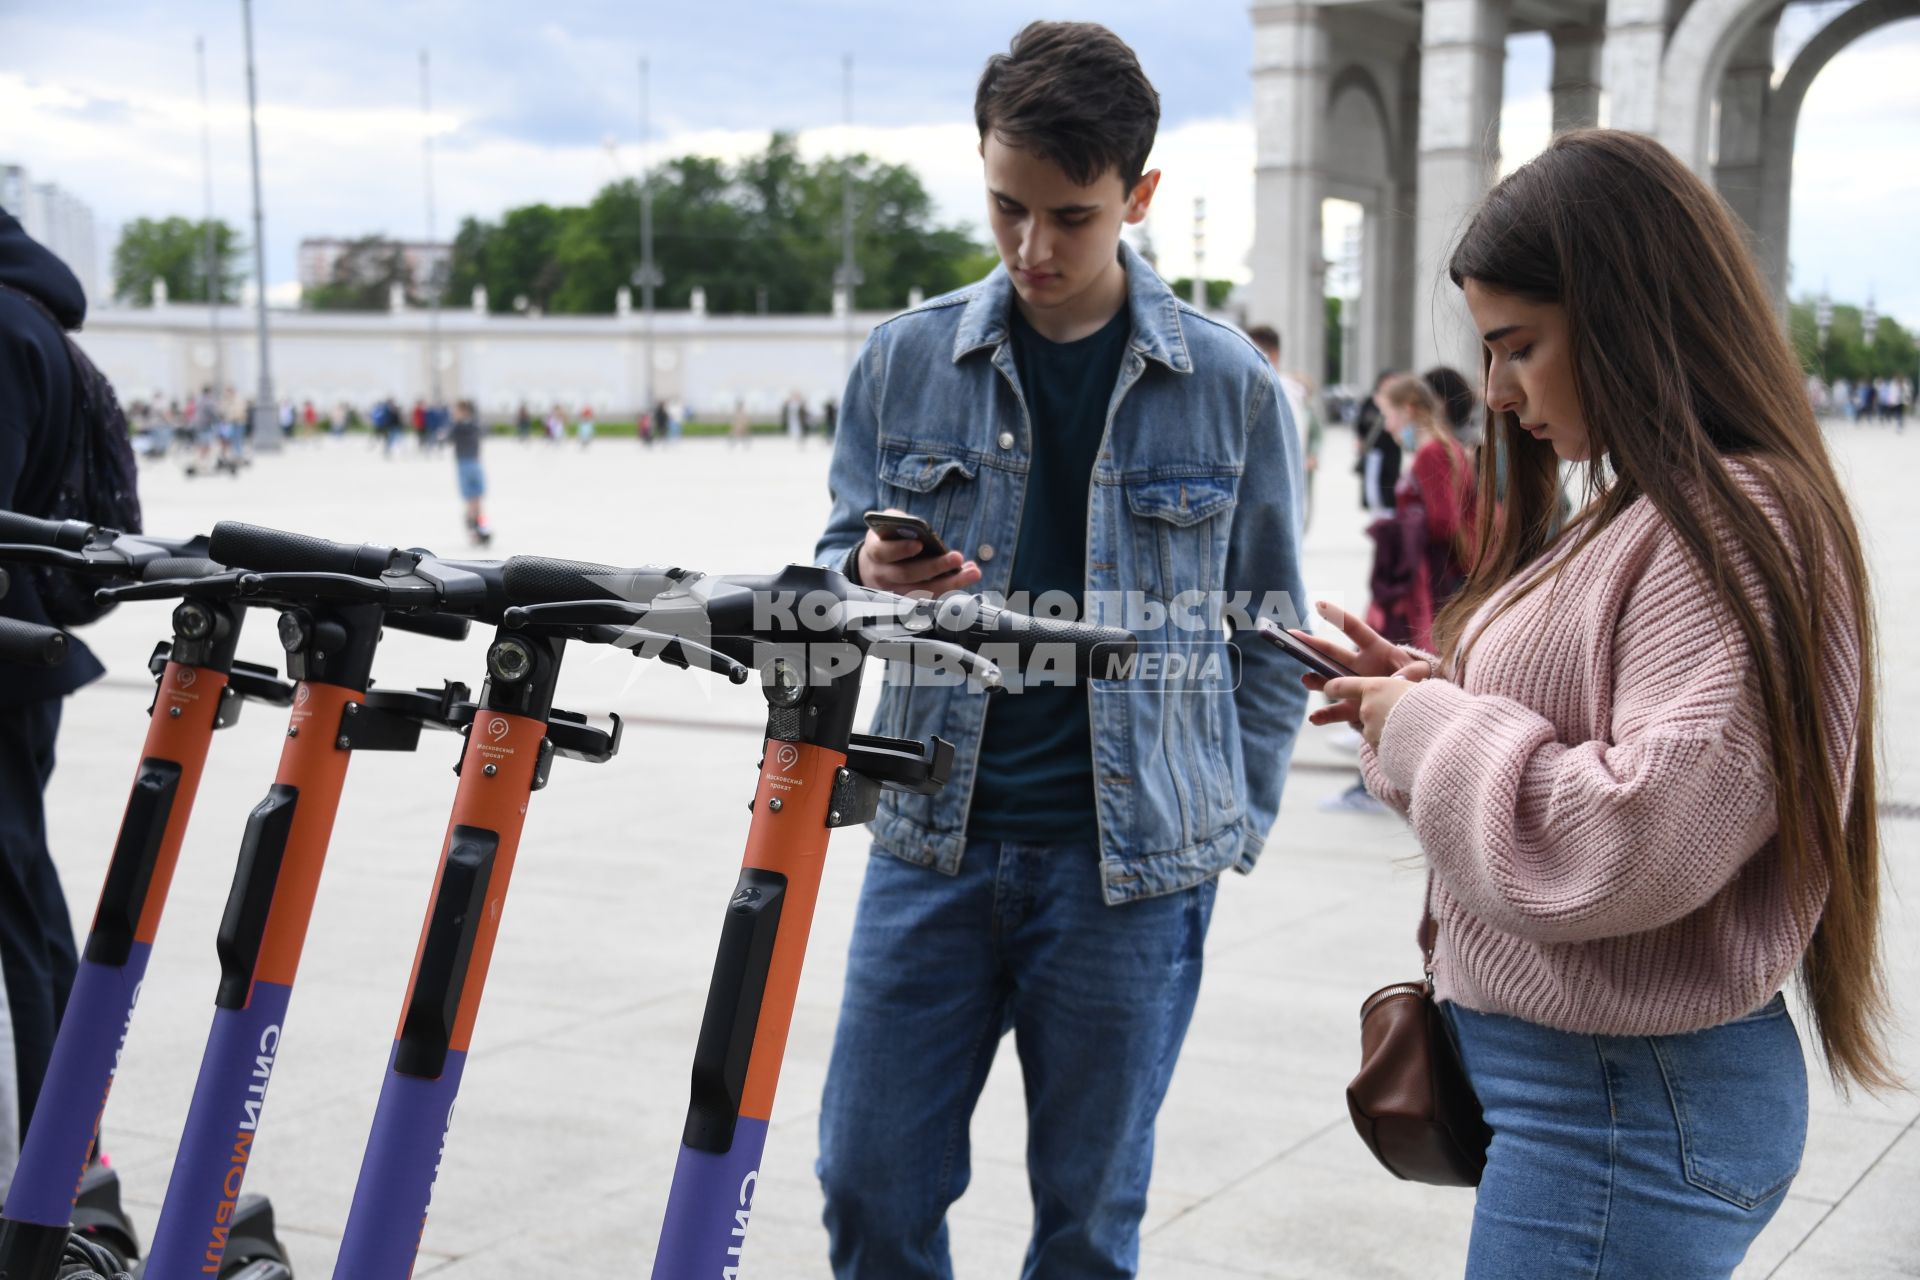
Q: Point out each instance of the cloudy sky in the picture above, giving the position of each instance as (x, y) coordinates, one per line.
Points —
(540, 102)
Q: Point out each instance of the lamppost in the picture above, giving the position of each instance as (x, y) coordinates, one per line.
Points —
(432, 260)
(1822, 322)
(648, 276)
(266, 416)
(849, 276)
(1200, 254)
(212, 251)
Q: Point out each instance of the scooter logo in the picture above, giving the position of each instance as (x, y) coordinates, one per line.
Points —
(787, 756)
(185, 677)
(301, 695)
(497, 728)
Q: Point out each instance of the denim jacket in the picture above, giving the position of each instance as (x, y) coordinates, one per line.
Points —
(1195, 490)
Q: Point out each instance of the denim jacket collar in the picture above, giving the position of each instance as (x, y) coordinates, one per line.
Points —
(1154, 309)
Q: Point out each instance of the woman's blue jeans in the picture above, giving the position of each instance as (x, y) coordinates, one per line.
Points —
(1631, 1157)
(1098, 998)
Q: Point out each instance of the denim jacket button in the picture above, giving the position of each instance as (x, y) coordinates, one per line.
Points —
(1006, 439)
(986, 551)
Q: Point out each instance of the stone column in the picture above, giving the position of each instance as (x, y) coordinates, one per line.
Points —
(1576, 77)
(1462, 53)
(1636, 40)
(1290, 49)
(1745, 90)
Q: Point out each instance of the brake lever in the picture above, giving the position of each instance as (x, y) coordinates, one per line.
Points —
(912, 648)
(631, 638)
(325, 586)
(30, 553)
(573, 613)
(219, 586)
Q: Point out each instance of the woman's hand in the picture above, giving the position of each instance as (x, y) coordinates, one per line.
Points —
(1372, 656)
(1365, 701)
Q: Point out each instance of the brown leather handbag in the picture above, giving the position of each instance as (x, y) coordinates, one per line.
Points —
(1411, 1102)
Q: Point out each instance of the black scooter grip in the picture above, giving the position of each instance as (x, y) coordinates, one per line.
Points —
(31, 644)
(252, 546)
(68, 535)
(174, 568)
(543, 580)
(1004, 626)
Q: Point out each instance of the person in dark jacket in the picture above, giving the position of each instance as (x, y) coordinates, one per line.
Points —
(38, 391)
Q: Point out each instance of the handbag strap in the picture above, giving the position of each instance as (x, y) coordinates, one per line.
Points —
(1429, 935)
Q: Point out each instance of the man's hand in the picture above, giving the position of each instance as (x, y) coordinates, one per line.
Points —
(889, 564)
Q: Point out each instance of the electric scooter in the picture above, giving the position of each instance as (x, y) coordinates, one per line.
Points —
(808, 632)
(207, 1226)
(514, 735)
(58, 1186)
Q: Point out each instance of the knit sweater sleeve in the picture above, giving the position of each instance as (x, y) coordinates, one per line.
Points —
(1558, 841)
(1371, 773)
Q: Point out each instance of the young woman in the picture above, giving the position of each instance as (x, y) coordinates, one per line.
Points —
(1419, 561)
(1642, 772)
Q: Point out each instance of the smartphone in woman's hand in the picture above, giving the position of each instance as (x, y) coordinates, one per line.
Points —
(1300, 651)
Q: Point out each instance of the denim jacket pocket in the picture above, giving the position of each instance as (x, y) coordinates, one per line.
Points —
(937, 487)
(1180, 539)
(1739, 1094)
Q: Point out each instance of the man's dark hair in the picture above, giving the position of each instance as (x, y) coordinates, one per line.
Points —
(1265, 337)
(1074, 94)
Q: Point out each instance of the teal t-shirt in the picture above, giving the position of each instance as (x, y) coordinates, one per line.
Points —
(1035, 780)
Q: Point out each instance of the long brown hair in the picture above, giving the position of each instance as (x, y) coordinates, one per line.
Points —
(1679, 366)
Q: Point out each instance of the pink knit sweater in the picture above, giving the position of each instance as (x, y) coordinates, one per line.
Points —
(1595, 803)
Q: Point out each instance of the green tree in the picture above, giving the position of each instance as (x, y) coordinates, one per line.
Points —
(175, 250)
(1846, 354)
(1217, 291)
(363, 277)
(770, 224)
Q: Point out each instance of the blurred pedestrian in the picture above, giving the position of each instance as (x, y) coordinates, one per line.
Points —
(466, 434)
(1379, 454)
(1306, 420)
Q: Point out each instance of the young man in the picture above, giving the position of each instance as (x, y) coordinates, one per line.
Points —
(1067, 426)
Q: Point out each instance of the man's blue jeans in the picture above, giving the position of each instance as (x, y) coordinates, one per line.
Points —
(1628, 1157)
(1098, 999)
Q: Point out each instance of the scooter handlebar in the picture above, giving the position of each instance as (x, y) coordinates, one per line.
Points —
(31, 644)
(68, 535)
(252, 546)
(544, 580)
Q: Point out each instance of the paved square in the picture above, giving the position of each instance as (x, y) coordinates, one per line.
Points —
(573, 1099)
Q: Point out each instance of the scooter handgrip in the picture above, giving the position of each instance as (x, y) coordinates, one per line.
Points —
(1004, 626)
(252, 546)
(31, 644)
(172, 568)
(68, 535)
(440, 626)
(543, 580)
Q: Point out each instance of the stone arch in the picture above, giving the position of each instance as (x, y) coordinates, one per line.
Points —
(1361, 167)
(1354, 78)
(1783, 124)
(1690, 71)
